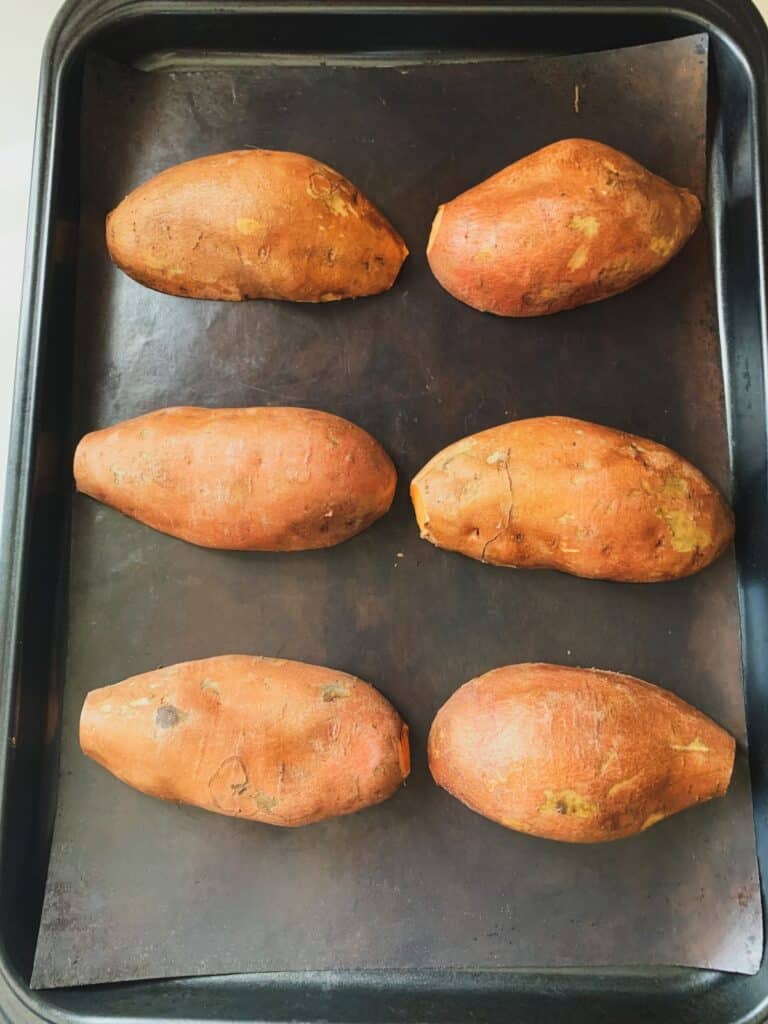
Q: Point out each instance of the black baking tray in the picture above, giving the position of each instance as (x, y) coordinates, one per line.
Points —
(34, 569)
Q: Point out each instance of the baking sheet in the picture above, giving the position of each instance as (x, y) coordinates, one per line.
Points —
(142, 889)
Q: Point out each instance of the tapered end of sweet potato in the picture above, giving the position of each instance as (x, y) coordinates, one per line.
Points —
(97, 726)
(86, 730)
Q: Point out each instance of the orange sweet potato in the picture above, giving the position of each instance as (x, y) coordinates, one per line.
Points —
(560, 493)
(254, 224)
(578, 755)
(571, 223)
(260, 479)
(259, 738)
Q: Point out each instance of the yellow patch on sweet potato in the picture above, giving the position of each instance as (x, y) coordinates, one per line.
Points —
(567, 801)
(248, 225)
(579, 258)
(685, 534)
(588, 226)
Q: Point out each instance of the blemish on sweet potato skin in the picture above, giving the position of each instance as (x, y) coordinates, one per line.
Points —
(263, 745)
(167, 716)
(567, 801)
(228, 783)
(337, 690)
(576, 755)
(560, 493)
(254, 224)
(572, 223)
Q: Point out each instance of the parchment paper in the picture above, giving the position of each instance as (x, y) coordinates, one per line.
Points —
(142, 889)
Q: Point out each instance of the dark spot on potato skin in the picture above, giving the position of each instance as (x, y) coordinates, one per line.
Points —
(167, 716)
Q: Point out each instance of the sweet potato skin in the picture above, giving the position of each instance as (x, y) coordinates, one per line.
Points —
(577, 755)
(265, 739)
(560, 493)
(572, 223)
(258, 479)
(254, 224)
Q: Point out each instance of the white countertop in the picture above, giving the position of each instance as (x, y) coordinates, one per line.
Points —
(19, 70)
(18, 89)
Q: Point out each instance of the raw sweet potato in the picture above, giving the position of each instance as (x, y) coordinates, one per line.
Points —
(559, 493)
(574, 754)
(254, 224)
(571, 223)
(260, 738)
(261, 479)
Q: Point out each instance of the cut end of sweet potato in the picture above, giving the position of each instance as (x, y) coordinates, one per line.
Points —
(419, 507)
(726, 772)
(693, 204)
(435, 228)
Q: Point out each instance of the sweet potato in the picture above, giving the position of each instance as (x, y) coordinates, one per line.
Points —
(261, 479)
(259, 738)
(573, 754)
(560, 493)
(572, 223)
(254, 224)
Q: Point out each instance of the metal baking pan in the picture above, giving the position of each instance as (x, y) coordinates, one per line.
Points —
(35, 569)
